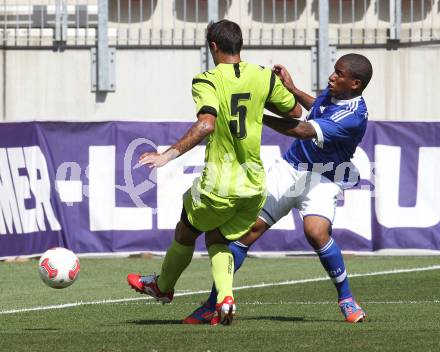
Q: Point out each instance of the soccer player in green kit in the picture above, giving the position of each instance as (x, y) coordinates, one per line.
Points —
(226, 199)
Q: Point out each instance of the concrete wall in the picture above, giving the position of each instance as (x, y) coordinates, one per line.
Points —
(405, 83)
(2, 83)
(156, 84)
(57, 86)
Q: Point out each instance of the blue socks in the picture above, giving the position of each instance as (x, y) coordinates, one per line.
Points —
(239, 251)
(331, 259)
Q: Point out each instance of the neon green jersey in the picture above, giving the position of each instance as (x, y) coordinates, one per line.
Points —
(236, 94)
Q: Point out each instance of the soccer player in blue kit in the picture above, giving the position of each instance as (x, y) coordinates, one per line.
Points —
(313, 172)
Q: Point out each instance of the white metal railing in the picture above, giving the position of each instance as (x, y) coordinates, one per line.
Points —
(183, 22)
(43, 22)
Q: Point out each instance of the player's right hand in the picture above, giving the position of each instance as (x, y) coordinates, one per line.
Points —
(284, 76)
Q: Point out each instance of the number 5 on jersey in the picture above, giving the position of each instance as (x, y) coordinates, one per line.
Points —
(238, 127)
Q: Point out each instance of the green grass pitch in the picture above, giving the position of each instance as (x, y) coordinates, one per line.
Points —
(403, 308)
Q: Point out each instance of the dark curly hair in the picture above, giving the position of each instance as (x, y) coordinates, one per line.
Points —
(359, 67)
(227, 35)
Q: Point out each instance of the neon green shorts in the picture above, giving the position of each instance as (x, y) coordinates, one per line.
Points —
(232, 216)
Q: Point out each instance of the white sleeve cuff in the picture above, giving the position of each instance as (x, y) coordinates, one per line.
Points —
(319, 136)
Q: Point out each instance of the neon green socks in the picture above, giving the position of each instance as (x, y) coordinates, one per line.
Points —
(176, 260)
(222, 269)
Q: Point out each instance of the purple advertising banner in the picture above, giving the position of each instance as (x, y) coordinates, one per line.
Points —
(77, 185)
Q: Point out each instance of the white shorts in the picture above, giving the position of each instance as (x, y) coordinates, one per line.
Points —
(288, 188)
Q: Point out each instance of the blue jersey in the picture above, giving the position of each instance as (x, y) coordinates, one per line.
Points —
(340, 126)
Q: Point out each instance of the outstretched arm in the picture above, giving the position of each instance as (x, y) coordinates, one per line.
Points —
(198, 132)
(295, 113)
(290, 127)
(303, 98)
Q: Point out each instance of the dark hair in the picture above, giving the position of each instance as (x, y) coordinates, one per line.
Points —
(359, 66)
(227, 35)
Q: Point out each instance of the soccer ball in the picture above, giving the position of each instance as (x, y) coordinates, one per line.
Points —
(58, 267)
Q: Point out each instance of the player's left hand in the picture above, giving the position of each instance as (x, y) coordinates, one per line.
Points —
(153, 159)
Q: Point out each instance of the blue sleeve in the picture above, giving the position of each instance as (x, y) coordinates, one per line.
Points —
(339, 129)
